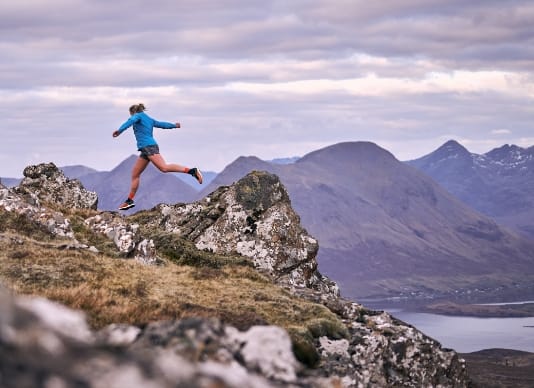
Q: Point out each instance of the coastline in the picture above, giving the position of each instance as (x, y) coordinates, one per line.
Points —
(513, 310)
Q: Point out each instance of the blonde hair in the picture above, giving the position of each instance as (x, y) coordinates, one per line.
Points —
(137, 108)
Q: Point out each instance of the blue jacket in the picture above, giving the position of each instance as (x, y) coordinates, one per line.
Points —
(143, 126)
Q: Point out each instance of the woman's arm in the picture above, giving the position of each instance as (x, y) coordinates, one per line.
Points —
(166, 125)
(131, 121)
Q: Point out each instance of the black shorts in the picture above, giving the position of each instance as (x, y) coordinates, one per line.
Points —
(149, 151)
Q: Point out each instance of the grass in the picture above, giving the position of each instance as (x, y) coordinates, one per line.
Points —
(191, 283)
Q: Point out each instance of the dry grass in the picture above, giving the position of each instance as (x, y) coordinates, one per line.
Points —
(191, 283)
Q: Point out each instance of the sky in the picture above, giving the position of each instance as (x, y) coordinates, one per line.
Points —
(266, 78)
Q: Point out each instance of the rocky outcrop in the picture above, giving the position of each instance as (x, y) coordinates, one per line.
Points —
(125, 236)
(29, 206)
(46, 183)
(49, 184)
(382, 351)
(254, 218)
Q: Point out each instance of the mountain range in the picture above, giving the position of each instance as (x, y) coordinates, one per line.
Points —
(499, 183)
(386, 228)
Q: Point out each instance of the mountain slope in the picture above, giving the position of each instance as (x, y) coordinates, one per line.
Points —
(499, 183)
(384, 228)
(261, 317)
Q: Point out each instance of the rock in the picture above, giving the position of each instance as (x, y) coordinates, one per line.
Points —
(43, 344)
(118, 334)
(254, 218)
(126, 237)
(49, 184)
(29, 207)
(267, 349)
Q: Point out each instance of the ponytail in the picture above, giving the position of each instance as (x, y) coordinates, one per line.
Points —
(137, 108)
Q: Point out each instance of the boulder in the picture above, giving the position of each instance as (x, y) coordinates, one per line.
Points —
(49, 184)
(254, 218)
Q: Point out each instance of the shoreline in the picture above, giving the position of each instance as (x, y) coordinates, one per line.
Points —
(525, 310)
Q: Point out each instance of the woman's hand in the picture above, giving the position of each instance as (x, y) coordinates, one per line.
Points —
(177, 125)
(116, 133)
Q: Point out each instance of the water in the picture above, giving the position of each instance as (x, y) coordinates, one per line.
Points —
(506, 303)
(469, 334)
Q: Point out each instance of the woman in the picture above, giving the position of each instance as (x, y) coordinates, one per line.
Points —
(143, 126)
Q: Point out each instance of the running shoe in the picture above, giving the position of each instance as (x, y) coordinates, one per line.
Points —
(128, 204)
(195, 172)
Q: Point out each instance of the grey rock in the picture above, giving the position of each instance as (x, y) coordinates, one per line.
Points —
(49, 184)
(29, 205)
(126, 237)
(254, 218)
(267, 349)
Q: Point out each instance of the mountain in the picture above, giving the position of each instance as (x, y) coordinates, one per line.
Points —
(9, 182)
(113, 186)
(499, 183)
(77, 171)
(387, 229)
(223, 292)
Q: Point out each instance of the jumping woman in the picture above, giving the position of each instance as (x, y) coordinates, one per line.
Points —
(143, 126)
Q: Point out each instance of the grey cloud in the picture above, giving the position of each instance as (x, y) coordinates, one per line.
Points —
(201, 46)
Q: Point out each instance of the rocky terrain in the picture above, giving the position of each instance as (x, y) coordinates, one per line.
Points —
(221, 292)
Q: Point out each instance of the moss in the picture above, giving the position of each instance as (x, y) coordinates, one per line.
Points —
(303, 346)
(184, 252)
(331, 328)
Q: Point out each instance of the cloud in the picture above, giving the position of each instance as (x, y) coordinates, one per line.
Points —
(501, 131)
(270, 77)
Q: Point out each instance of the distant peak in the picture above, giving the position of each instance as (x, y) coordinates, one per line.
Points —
(506, 148)
(450, 149)
(453, 146)
(248, 159)
(356, 150)
(506, 152)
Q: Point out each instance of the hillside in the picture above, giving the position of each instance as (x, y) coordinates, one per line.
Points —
(499, 183)
(221, 292)
(386, 229)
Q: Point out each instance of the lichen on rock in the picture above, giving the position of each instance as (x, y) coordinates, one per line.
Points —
(49, 184)
(253, 218)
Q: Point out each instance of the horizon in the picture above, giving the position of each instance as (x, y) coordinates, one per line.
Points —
(271, 159)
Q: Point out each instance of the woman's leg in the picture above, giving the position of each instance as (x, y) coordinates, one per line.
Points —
(138, 168)
(159, 162)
